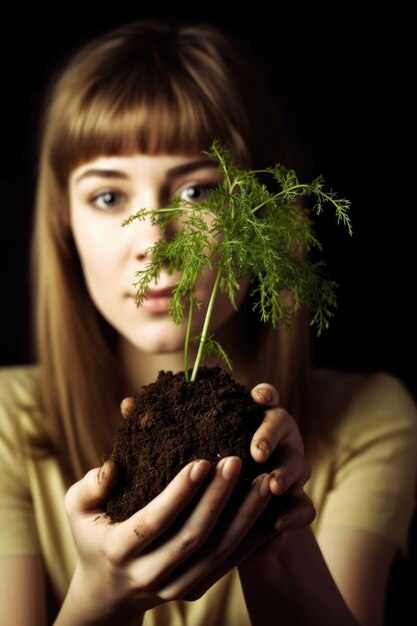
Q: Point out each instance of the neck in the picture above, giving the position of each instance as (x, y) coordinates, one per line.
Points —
(142, 368)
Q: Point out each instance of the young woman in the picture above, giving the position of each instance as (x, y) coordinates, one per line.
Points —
(124, 128)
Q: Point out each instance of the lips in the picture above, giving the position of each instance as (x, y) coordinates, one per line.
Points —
(157, 301)
(159, 293)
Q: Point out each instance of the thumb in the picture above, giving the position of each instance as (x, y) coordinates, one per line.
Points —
(90, 492)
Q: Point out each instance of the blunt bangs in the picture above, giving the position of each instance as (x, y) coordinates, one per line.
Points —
(138, 109)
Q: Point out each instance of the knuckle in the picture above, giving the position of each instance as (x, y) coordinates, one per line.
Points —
(142, 529)
(273, 424)
(281, 414)
(277, 416)
(146, 581)
(176, 591)
(149, 521)
(168, 596)
(112, 551)
(189, 540)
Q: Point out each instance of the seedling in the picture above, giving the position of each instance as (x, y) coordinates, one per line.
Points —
(244, 228)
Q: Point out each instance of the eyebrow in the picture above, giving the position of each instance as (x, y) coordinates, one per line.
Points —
(178, 170)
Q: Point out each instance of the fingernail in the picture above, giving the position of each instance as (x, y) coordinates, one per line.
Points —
(229, 469)
(264, 395)
(263, 446)
(264, 486)
(199, 471)
(126, 406)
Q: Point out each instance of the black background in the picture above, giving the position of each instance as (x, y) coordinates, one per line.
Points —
(346, 86)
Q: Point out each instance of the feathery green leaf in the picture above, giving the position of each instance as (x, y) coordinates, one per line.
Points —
(246, 228)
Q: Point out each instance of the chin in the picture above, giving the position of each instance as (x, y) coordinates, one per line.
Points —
(158, 345)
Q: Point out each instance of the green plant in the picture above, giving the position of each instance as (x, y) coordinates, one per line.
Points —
(244, 228)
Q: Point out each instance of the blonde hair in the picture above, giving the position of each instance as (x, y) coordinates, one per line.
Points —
(151, 87)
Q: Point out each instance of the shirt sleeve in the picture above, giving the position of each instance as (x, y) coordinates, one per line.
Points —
(18, 534)
(373, 480)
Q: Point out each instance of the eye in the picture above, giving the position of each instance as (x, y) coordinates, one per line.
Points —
(196, 193)
(107, 200)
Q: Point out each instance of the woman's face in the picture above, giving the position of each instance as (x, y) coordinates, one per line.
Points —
(103, 193)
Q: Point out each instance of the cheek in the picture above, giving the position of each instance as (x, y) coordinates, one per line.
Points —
(97, 254)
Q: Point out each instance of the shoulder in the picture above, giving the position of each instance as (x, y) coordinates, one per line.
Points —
(352, 403)
(20, 402)
(21, 421)
(369, 419)
(364, 468)
(19, 383)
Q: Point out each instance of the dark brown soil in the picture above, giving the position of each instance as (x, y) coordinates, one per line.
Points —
(174, 422)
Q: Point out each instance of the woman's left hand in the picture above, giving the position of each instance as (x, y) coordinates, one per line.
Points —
(280, 429)
(269, 518)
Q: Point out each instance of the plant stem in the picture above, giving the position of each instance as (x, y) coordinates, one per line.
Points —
(187, 338)
(277, 195)
(204, 332)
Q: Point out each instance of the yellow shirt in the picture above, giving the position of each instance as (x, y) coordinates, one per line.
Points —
(364, 473)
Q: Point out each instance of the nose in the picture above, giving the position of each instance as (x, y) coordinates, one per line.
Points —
(144, 232)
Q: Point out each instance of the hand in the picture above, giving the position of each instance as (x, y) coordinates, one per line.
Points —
(277, 429)
(280, 429)
(165, 550)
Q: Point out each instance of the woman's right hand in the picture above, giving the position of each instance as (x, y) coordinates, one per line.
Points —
(129, 567)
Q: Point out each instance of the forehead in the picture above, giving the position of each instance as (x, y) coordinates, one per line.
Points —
(139, 164)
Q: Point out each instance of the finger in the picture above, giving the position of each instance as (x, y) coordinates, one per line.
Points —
(250, 545)
(291, 475)
(301, 514)
(203, 518)
(90, 492)
(218, 551)
(265, 394)
(126, 406)
(205, 515)
(161, 512)
(192, 534)
(277, 427)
